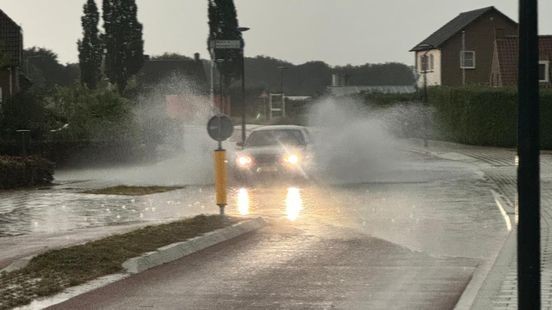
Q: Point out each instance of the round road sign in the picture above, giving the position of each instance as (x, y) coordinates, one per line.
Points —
(220, 127)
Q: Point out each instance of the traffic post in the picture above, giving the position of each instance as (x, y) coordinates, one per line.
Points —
(220, 128)
(220, 179)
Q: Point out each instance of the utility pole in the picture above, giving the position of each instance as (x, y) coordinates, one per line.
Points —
(222, 107)
(463, 56)
(283, 102)
(528, 242)
(243, 121)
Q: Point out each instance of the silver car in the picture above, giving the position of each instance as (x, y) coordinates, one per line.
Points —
(281, 151)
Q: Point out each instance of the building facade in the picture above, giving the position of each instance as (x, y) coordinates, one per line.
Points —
(460, 53)
(11, 54)
(504, 72)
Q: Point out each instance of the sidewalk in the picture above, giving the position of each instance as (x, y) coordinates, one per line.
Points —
(498, 165)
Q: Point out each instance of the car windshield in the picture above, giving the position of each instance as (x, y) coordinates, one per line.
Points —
(275, 137)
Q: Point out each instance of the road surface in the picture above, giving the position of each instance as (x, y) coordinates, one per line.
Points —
(408, 238)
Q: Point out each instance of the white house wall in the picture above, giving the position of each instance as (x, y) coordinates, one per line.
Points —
(433, 76)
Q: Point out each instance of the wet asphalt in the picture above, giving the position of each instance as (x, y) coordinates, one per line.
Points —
(407, 237)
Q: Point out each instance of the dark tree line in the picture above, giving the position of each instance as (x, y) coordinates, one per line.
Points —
(41, 66)
(120, 48)
(312, 78)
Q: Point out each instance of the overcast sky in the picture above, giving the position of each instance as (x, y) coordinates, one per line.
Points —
(338, 32)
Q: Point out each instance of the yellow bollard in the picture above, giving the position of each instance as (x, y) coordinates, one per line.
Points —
(220, 179)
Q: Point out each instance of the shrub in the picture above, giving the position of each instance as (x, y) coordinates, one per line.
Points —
(91, 115)
(485, 116)
(24, 171)
(472, 115)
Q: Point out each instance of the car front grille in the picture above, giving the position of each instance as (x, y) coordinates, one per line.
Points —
(266, 159)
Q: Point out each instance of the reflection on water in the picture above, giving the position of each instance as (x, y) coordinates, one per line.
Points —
(64, 207)
(243, 201)
(294, 203)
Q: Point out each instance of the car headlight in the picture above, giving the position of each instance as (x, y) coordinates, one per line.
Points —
(244, 161)
(292, 159)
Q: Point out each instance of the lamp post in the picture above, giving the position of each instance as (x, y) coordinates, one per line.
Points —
(242, 30)
(425, 64)
(282, 69)
(221, 90)
(528, 233)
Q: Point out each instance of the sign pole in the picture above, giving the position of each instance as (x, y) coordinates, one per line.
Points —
(528, 242)
(220, 179)
(220, 128)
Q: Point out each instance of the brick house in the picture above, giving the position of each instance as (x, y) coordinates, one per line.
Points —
(461, 52)
(504, 70)
(11, 54)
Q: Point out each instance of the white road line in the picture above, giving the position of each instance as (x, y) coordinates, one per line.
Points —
(502, 211)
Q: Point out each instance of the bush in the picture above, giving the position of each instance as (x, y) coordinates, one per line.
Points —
(485, 116)
(24, 171)
(381, 99)
(91, 115)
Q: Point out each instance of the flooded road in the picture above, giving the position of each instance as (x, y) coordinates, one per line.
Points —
(410, 237)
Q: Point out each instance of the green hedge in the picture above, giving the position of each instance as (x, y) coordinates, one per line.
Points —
(24, 171)
(484, 116)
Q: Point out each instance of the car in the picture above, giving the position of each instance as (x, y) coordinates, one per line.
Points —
(279, 151)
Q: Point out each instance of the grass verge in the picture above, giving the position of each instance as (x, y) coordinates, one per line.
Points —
(55, 270)
(132, 190)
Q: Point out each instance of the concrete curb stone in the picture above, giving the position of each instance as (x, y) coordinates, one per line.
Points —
(178, 250)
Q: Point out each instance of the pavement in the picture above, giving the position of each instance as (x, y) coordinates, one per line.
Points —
(410, 235)
(499, 167)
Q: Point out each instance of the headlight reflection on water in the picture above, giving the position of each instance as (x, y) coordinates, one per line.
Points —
(294, 203)
(243, 201)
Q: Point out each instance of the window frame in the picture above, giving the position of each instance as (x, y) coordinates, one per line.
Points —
(462, 59)
(546, 64)
(429, 60)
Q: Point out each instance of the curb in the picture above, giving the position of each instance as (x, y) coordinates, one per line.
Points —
(178, 250)
(487, 278)
(152, 259)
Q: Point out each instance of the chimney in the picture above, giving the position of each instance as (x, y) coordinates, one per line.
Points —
(197, 57)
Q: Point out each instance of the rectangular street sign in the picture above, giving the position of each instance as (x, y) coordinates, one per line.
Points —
(226, 44)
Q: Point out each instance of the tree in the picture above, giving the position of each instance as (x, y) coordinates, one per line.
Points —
(90, 47)
(42, 67)
(124, 46)
(223, 25)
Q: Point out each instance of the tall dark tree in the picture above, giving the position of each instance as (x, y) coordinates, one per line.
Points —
(90, 47)
(123, 43)
(223, 25)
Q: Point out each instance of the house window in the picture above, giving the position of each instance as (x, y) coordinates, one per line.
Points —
(544, 71)
(467, 60)
(426, 63)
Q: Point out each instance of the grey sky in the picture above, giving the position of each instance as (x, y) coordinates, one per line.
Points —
(336, 31)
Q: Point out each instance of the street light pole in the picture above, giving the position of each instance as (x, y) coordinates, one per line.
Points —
(243, 125)
(221, 90)
(283, 103)
(425, 65)
(528, 242)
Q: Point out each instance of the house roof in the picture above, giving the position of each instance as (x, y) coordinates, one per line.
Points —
(453, 27)
(507, 51)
